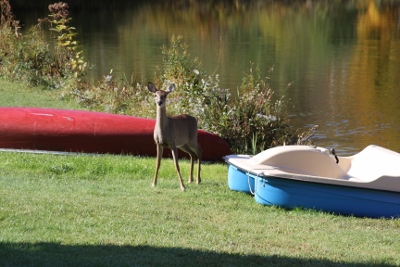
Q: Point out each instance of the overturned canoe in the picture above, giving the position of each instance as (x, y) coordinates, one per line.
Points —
(90, 132)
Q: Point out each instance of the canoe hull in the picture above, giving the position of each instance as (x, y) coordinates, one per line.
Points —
(90, 132)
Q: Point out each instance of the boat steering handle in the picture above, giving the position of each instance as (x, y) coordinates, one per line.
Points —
(334, 153)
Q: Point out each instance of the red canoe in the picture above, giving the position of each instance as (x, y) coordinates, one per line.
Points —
(90, 132)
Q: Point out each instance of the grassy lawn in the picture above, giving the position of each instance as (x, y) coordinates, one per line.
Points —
(19, 95)
(83, 210)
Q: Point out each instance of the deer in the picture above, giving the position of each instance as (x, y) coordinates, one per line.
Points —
(173, 133)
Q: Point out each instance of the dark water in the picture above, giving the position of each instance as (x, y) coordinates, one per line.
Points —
(342, 58)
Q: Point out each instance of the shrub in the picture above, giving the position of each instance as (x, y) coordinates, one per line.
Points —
(250, 120)
(114, 95)
(22, 57)
(30, 58)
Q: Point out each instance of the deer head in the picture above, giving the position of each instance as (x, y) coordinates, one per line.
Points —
(160, 95)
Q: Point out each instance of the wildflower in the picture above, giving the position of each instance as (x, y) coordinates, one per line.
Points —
(268, 118)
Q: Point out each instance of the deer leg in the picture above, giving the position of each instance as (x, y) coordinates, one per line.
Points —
(175, 157)
(192, 158)
(158, 161)
(195, 153)
(199, 155)
(186, 148)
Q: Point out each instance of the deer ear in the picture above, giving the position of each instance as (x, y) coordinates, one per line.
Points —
(151, 87)
(171, 88)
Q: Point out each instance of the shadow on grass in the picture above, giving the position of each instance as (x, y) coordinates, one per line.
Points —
(52, 254)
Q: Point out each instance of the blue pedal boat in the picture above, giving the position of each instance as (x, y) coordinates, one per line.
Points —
(366, 184)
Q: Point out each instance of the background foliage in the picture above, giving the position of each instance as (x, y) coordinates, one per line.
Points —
(248, 120)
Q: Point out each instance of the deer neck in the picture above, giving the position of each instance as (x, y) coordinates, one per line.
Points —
(162, 119)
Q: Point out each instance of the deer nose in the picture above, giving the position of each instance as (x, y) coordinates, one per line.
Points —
(159, 102)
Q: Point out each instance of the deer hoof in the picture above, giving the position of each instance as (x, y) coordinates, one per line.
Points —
(183, 188)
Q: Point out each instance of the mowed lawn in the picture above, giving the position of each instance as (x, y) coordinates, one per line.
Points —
(80, 210)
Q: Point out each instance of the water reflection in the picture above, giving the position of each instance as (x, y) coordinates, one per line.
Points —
(343, 56)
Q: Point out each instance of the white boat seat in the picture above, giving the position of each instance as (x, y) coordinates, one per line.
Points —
(374, 162)
(303, 160)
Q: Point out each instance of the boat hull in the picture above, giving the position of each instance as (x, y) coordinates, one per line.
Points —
(338, 199)
(240, 181)
(345, 200)
(90, 132)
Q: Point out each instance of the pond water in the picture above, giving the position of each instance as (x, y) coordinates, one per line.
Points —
(342, 58)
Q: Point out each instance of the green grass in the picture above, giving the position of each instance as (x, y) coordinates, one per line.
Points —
(102, 211)
(19, 94)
